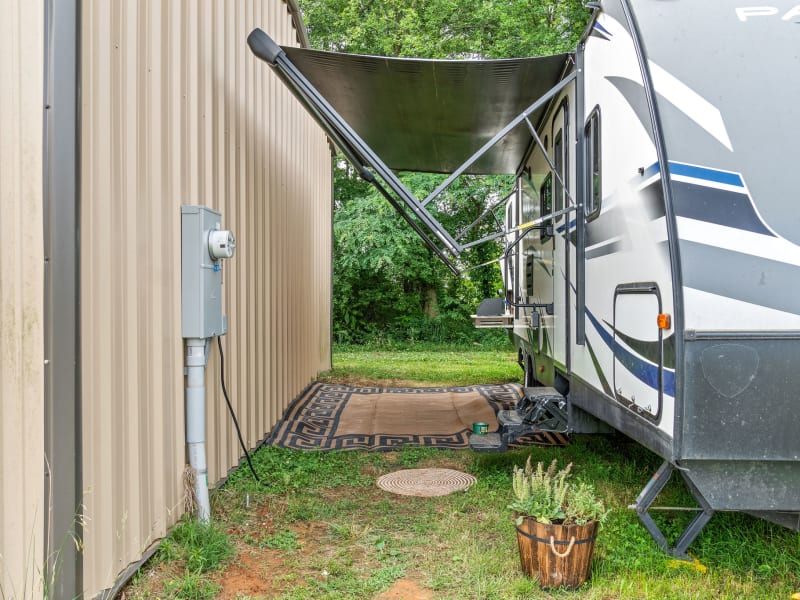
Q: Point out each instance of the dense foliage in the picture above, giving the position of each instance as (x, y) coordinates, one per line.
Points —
(445, 28)
(387, 284)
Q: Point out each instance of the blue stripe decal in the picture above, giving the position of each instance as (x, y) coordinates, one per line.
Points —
(643, 370)
(706, 174)
(651, 170)
(602, 29)
(703, 173)
(562, 227)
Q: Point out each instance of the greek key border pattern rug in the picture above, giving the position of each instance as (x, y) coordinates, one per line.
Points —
(313, 420)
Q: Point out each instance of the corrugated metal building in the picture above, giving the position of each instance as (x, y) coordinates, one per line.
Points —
(113, 115)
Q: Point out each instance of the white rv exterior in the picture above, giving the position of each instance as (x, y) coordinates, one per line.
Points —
(679, 147)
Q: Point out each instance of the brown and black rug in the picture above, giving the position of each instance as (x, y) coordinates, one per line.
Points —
(340, 417)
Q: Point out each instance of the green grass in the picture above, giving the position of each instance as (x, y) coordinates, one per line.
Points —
(427, 364)
(191, 586)
(320, 529)
(201, 547)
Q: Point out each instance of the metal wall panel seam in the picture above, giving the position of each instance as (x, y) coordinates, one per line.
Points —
(252, 283)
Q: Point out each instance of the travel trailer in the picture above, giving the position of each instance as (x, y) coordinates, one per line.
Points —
(652, 261)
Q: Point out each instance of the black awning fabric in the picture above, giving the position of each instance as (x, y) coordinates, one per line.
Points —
(432, 115)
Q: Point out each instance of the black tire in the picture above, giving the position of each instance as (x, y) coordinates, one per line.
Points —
(529, 379)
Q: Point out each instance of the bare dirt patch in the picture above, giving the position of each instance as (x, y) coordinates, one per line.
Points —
(261, 572)
(405, 589)
(249, 574)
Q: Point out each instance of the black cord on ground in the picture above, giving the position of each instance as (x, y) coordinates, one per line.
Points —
(230, 408)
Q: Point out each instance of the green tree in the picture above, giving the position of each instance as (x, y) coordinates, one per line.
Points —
(445, 28)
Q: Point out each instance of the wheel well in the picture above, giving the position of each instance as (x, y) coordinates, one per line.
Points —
(561, 383)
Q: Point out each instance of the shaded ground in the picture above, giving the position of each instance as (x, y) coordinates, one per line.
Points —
(320, 529)
(323, 530)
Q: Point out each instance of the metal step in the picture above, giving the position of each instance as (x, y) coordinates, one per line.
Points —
(509, 417)
(543, 409)
(490, 442)
(535, 393)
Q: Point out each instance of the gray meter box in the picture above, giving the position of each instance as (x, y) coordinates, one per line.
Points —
(201, 275)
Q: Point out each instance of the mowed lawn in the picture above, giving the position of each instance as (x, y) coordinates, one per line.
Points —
(430, 365)
(320, 528)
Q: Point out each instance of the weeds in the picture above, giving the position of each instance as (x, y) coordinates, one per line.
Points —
(192, 586)
(201, 547)
(285, 539)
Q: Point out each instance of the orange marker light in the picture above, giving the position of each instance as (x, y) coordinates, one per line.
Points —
(664, 321)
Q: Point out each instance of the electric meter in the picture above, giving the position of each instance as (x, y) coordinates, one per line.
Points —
(221, 244)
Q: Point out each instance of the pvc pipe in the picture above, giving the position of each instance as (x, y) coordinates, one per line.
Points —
(196, 359)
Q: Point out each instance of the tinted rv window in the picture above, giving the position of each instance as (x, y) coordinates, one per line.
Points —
(546, 201)
(558, 159)
(593, 179)
(528, 199)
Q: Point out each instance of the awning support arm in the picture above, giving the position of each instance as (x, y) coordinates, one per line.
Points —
(527, 227)
(483, 240)
(485, 213)
(499, 136)
(549, 160)
(367, 176)
(265, 48)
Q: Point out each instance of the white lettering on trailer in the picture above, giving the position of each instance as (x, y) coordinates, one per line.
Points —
(745, 13)
(795, 12)
(756, 11)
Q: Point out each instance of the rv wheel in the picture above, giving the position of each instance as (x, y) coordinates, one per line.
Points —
(530, 373)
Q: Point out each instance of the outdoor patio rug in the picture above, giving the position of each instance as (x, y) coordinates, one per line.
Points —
(340, 417)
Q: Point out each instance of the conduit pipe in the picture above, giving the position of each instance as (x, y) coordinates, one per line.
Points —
(196, 360)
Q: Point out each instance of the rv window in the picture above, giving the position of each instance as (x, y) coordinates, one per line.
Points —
(529, 260)
(593, 178)
(546, 205)
(528, 198)
(558, 152)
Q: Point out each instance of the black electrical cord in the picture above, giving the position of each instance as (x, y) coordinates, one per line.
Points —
(230, 408)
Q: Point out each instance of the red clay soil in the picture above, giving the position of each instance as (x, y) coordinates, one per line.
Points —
(254, 572)
(405, 589)
(249, 575)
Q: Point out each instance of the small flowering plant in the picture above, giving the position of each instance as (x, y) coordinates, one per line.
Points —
(549, 496)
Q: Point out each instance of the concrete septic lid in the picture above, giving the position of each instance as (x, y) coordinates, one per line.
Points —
(425, 482)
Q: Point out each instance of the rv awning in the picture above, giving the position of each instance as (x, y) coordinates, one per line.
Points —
(431, 115)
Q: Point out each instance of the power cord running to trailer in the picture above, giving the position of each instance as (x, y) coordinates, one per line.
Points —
(230, 409)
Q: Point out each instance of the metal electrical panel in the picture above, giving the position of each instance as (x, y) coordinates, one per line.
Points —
(203, 246)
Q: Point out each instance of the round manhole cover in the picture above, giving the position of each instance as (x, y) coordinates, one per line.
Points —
(425, 482)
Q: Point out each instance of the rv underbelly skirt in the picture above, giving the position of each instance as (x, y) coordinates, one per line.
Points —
(741, 397)
(739, 438)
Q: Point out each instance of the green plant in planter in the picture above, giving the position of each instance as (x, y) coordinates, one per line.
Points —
(549, 496)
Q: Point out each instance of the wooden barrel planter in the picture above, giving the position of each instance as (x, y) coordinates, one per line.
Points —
(559, 555)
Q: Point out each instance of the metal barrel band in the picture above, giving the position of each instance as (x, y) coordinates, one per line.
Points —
(557, 542)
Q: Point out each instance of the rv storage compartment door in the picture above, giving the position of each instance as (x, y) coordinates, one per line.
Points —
(637, 349)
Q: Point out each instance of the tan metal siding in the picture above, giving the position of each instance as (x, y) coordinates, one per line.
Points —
(21, 300)
(175, 110)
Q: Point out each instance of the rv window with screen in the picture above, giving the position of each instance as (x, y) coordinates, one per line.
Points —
(593, 180)
(546, 201)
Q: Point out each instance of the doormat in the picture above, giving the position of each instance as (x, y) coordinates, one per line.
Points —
(426, 483)
(340, 417)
